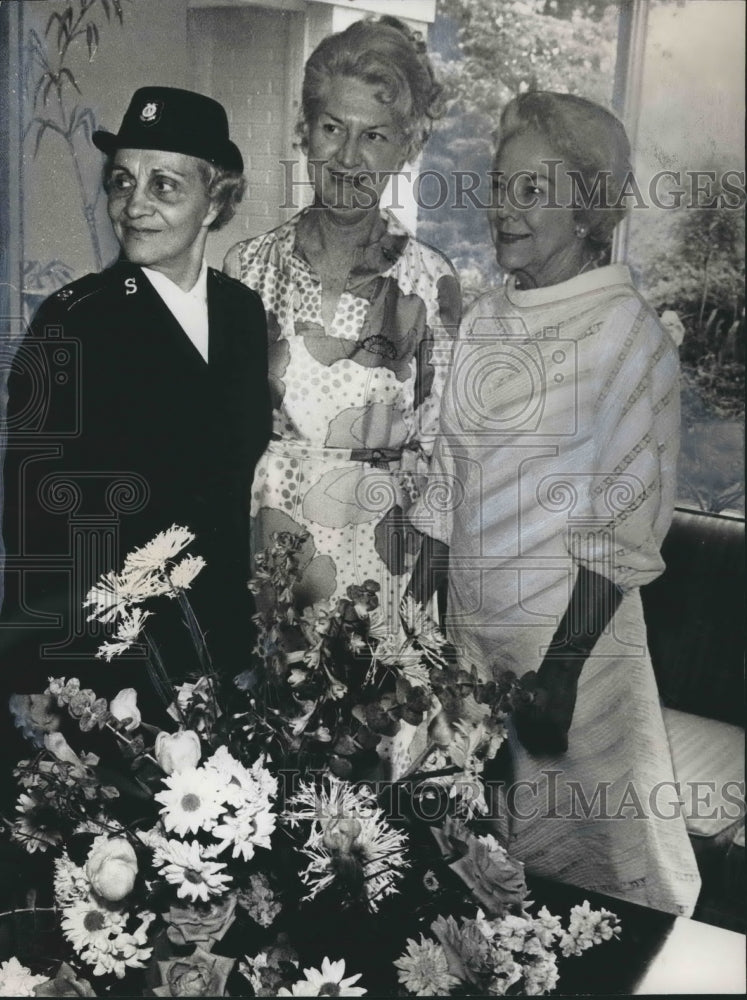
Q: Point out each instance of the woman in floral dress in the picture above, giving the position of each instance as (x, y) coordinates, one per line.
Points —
(361, 317)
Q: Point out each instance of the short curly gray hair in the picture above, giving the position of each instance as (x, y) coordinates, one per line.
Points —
(386, 54)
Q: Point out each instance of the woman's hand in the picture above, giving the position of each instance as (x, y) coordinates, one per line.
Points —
(542, 723)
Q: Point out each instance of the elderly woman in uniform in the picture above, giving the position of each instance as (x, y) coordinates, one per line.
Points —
(357, 311)
(558, 441)
(162, 409)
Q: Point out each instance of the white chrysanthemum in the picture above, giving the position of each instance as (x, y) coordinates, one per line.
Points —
(18, 981)
(126, 634)
(327, 981)
(244, 786)
(191, 801)
(424, 969)
(182, 575)
(154, 555)
(125, 951)
(70, 882)
(183, 865)
(88, 924)
(375, 846)
(113, 595)
(244, 831)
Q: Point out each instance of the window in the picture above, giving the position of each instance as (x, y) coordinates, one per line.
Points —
(685, 113)
(687, 246)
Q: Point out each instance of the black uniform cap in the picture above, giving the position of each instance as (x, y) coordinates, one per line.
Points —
(176, 121)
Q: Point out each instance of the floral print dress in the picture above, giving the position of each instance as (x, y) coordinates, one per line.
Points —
(355, 405)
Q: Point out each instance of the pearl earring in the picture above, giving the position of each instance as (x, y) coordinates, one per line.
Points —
(580, 231)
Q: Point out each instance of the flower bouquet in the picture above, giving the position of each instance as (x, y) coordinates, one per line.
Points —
(257, 844)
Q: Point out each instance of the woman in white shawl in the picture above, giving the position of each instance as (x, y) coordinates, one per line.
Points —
(559, 435)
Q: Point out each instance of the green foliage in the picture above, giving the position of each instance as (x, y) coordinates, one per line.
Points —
(487, 51)
(508, 46)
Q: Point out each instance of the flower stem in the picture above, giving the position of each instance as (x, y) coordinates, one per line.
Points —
(198, 640)
(29, 909)
(160, 678)
(123, 738)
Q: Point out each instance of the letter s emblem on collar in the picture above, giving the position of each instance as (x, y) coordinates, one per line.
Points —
(131, 286)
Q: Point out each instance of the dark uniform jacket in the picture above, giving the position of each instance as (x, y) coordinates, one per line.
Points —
(117, 429)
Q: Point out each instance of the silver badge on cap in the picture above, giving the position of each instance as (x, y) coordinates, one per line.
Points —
(151, 112)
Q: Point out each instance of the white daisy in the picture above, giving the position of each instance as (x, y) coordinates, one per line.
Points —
(154, 555)
(18, 981)
(184, 572)
(191, 801)
(373, 844)
(88, 924)
(424, 969)
(36, 826)
(251, 787)
(245, 830)
(183, 865)
(327, 981)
